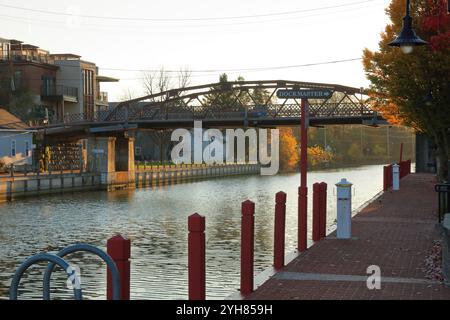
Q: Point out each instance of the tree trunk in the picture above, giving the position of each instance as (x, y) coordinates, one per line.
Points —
(442, 157)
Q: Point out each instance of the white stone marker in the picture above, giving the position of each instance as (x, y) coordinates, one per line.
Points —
(395, 177)
(344, 209)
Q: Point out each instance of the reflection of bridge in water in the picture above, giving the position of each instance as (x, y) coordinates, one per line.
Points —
(248, 104)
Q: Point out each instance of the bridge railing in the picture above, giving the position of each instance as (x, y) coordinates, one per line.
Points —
(164, 112)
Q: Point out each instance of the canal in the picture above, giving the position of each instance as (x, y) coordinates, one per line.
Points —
(155, 219)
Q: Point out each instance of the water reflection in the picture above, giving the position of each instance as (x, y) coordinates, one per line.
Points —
(156, 221)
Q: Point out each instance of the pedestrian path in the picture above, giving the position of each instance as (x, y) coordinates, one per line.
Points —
(396, 232)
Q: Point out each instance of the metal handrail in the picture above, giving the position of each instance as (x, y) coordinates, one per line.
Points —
(71, 273)
(87, 248)
(443, 190)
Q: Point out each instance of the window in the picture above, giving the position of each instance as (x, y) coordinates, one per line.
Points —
(13, 148)
(137, 151)
(27, 148)
(48, 85)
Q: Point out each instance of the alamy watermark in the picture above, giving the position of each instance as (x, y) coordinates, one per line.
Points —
(211, 146)
(374, 279)
(74, 279)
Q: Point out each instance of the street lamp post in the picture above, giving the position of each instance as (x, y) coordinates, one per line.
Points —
(407, 39)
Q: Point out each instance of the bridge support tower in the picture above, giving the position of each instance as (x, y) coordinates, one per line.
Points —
(113, 159)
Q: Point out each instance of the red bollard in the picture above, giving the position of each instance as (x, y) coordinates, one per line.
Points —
(385, 178)
(316, 212)
(247, 246)
(119, 248)
(196, 257)
(390, 176)
(280, 225)
(302, 219)
(323, 210)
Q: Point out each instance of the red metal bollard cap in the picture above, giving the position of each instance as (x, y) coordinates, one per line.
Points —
(280, 197)
(119, 247)
(196, 223)
(248, 207)
(316, 187)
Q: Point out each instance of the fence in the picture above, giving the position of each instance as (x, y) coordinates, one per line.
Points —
(443, 191)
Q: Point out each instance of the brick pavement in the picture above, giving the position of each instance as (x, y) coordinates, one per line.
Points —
(395, 232)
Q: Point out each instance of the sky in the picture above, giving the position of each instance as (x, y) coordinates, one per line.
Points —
(206, 37)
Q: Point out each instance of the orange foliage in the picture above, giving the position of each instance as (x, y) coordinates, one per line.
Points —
(316, 155)
(289, 150)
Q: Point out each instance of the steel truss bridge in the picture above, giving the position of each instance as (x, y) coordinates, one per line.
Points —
(220, 105)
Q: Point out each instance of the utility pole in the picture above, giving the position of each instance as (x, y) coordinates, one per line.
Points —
(361, 140)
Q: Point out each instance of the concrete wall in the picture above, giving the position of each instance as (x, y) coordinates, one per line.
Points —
(6, 138)
(155, 175)
(12, 188)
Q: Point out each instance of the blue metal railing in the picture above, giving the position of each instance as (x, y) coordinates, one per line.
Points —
(57, 259)
(71, 273)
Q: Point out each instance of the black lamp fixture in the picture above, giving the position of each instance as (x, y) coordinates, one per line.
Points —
(407, 39)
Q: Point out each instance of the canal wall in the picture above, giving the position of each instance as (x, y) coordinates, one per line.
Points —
(18, 186)
(155, 175)
(32, 185)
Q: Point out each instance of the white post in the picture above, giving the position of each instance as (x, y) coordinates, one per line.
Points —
(395, 177)
(344, 209)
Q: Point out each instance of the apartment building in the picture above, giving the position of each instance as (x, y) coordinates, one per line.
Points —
(63, 85)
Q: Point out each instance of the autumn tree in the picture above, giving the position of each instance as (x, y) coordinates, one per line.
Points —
(289, 150)
(414, 89)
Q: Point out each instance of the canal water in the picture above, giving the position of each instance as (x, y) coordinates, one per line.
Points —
(155, 219)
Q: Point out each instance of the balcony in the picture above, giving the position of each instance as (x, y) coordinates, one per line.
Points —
(69, 94)
(102, 98)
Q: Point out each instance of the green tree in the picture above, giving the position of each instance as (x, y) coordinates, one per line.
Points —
(224, 97)
(400, 83)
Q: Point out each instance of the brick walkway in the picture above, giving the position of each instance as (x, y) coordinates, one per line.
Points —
(395, 232)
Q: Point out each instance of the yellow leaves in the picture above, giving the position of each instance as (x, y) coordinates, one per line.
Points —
(290, 152)
(317, 155)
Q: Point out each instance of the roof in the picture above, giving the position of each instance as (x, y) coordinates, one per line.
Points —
(10, 122)
(106, 79)
(65, 55)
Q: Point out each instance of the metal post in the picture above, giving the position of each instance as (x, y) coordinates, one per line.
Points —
(401, 152)
(119, 249)
(344, 209)
(323, 210)
(196, 257)
(247, 246)
(303, 189)
(395, 177)
(280, 226)
(316, 212)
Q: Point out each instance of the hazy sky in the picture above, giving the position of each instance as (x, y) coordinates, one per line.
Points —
(204, 35)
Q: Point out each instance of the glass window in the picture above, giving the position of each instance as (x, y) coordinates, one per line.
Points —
(13, 148)
(27, 148)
